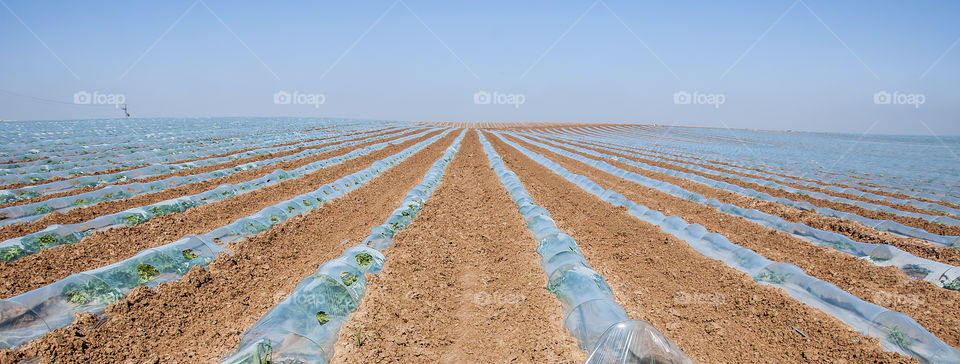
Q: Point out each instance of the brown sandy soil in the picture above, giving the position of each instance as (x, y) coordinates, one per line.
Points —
(105, 247)
(910, 221)
(462, 284)
(817, 189)
(851, 229)
(201, 318)
(185, 172)
(104, 208)
(121, 169)
(931, 306)
(733, 318)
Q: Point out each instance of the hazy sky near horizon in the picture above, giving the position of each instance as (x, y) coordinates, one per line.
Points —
(844, 66)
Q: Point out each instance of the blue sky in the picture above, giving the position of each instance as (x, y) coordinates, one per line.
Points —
(801, 65)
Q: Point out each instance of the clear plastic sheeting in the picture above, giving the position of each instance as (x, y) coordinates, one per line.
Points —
(169, 262)
(303, 328)
(883, 169)
(903, 335)
(879, 254)
(587, 303)
(635, 341)
(15, 248)
(34, 211)
(883, 225)
(77, 178)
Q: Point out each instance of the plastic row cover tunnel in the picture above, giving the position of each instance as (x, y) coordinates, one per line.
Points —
(34, 211)
(55, 235)
(303, 328)
(34, 313)
(933, 182)
(68, 144)
(157, 155)
(770, 181)
(57, 167)
(896, 331)
(590, 314)
(882, 225)
(148, 167)
(143, 172)
(943, 275)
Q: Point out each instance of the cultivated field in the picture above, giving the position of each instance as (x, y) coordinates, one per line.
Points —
(303, 240)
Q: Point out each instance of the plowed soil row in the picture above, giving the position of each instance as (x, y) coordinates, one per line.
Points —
(851, 229)
(931, 306)
(909, 221)
(104, 208)
(462, 284)
(185, 172)
(105, 247)
(666, 155)
(201, 317)
(712, 312)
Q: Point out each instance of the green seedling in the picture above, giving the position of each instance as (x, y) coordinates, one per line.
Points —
(134, 219)
(347, 278)
(954, 285)
(306, 202)
(147, 272)
(27, 194)
(291, 208)
(264, 352)
(274, 219)
(10, 253)
(771, 277)
(554, 287)
(899, 337)
(189, 254)
(77, 297)
(80, 202)
(359, 338)
(91, 291)
(322, 317)
(48, 239)
(42, 209)
(364, 259)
